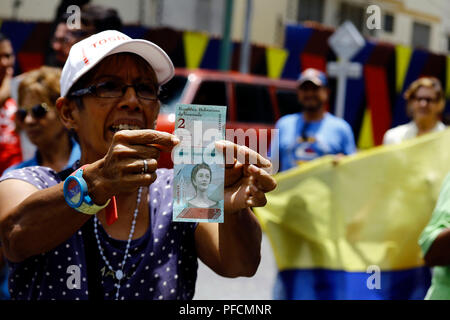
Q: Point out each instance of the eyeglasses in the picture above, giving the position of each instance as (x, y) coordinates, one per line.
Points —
(38, 112)
(62, 40)
(116, 89)
(426, 99)
(70, 37)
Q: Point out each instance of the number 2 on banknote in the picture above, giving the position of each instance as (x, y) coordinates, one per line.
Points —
(181, 123)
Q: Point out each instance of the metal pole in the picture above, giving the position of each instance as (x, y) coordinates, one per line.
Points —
(244, 60)
(15, 9)
(341, 89)
(141, 12)
(225, 46)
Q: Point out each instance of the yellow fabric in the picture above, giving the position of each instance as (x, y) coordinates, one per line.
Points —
(403, 56)
(275, 59)
(91, 209)
(195, 44)
(368, 210)
(365, 140)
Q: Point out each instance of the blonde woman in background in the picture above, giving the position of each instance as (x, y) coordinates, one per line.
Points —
(36, 115)
(425, 103)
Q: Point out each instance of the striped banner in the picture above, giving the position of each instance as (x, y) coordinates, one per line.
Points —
(332, 227)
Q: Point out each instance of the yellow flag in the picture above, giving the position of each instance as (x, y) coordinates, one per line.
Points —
(403, 56)
(275, 59)
(195, 44)
(369, 209)
(365, 140)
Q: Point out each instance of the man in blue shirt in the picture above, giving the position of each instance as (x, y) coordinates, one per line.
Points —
(313, 132)
(309, 134)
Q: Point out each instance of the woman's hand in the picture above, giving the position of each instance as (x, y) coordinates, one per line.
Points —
(246, 177)
(232, 248)
(121, 169)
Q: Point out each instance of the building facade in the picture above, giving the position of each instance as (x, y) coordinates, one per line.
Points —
(414, 23)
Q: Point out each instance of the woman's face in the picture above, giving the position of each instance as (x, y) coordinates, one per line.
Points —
(425, 105)
(202, 179)
(42, 131)
(101, 118)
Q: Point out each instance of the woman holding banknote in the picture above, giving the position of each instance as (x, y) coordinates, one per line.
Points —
(103, 229)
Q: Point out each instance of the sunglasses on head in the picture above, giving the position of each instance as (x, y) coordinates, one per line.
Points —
(38, 112)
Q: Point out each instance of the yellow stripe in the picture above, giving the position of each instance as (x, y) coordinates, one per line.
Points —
(403, 57)
(195, 44)
(275, 59)
(368, 210)
(447, 90)
(365, 140)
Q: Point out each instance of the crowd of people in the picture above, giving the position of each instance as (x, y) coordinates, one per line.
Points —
(72, 117)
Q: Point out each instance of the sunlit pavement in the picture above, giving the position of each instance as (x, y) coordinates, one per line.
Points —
(211, 286)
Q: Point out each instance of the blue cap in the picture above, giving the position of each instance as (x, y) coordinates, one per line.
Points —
(315, 76)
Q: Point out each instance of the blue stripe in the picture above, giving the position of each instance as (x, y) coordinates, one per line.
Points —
(296, 38)
(354, 100)
(211, 56)
(135, 32)
(323, 284)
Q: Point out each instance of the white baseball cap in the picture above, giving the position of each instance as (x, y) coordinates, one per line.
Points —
(313, 75)
(87, 53)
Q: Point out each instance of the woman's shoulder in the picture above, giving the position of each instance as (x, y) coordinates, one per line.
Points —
(164, 178)
(39, 176)
(399, 133)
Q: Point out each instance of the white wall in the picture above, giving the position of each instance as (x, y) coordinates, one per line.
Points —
(30, 10)
(269, 16)
(182, 14)
(188, 14)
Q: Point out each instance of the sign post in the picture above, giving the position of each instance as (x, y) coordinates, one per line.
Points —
(346, 41)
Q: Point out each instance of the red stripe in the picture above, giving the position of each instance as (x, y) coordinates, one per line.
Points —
(377, 95)
(308, 60)
(85, 59)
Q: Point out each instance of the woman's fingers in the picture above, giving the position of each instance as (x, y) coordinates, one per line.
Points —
(257, 199)
(146, 137)
(123, 151)
(138, 180)
(261, 179)
(242, 154)
(132, 159)
(138, 166)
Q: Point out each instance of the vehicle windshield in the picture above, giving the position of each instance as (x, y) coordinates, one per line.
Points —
(171, 93)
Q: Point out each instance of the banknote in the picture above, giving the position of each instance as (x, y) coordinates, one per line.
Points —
(199, 172)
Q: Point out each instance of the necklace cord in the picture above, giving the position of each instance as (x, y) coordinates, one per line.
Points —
(118, 274)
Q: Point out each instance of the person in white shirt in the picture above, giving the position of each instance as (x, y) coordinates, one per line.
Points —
(425, 103)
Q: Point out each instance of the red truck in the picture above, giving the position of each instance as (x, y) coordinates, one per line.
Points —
(254, 102)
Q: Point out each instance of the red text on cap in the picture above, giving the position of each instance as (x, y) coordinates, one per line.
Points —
(109, 39)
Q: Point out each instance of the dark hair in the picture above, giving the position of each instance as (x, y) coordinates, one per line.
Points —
(63, 18)
(102, 18)
(197, 169)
